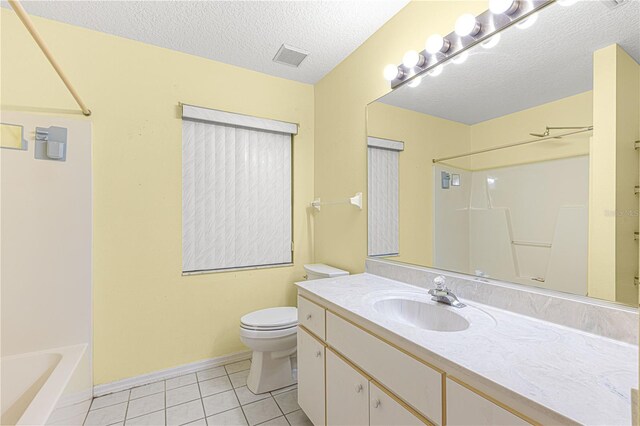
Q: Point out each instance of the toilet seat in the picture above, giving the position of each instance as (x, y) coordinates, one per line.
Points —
(271, 319)
(268, 334)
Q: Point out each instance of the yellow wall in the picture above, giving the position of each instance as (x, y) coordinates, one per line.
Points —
(613, 254)
(574, 110)
(146, 315)
(340, 138)
(425, 137)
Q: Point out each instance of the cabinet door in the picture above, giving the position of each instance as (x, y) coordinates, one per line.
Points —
(311, 354)
(347, 394)
(465, 407)
(385, 411)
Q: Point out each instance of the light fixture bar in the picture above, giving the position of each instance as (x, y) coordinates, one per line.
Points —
(489, 23)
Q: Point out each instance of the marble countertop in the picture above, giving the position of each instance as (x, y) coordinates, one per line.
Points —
(565, 375)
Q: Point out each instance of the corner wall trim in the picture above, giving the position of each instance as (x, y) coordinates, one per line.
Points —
(168, 373)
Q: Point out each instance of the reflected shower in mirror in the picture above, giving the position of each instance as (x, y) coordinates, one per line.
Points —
(516, 160)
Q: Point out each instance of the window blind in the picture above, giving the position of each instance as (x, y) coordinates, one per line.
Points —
(383, 230)
(236, 194)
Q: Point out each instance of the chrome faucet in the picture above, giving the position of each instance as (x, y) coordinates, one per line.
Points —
(442, 294)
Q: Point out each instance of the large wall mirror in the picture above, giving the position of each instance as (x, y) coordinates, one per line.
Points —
(516, 159)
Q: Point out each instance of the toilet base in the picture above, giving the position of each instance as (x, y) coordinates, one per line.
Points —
(270, 371)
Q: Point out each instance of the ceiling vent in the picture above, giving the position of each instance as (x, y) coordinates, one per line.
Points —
(288, 55)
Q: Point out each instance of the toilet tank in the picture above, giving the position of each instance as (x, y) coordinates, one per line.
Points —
(319, 270)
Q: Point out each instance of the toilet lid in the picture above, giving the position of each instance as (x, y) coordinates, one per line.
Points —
(271, 318)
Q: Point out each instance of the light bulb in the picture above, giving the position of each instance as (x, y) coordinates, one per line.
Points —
(391, 72)
(461, 58)
(491, 42)
(436, 43)
(507, 7)
(527, 23)
(413, 58)
(567, 2)
(415, 82)
(467, 24)
(436, 71)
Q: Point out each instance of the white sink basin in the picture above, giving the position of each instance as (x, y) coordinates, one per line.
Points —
(425, 315)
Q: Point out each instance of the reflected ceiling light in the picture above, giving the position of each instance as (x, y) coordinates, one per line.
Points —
(436, 43)
(467, 25)
(436, 71)
(391, 72)
(508, 7)
(527, 23)
(491, 42)
(415, 82)
(412, 59)
(567, 2)
(459, 59)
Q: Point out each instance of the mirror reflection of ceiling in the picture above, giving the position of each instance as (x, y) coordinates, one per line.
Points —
(550, 60)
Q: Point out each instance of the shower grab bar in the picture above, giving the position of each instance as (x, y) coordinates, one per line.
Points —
(531, 244)
(28, 23)
(482, 151)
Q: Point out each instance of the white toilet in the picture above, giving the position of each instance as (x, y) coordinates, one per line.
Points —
(271, 335)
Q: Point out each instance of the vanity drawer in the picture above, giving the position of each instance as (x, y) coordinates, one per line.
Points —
(311, 316)
(417, 384)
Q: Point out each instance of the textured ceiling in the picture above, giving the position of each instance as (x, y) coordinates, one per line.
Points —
(548, 61)
(243, 33)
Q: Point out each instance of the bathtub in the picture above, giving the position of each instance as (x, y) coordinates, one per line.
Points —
(33, 383)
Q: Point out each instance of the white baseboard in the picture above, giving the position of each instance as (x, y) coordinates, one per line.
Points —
(180, 370)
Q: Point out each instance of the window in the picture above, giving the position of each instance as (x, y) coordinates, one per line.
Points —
(236, 191)
(383, 196)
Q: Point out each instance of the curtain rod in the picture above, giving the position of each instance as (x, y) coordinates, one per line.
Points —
(481, 151)
(28, 23)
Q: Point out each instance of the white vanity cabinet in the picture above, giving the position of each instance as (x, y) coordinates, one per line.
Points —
(311, 394)
(413, 381)
(349, 376)
(347, 393)
(465, 407)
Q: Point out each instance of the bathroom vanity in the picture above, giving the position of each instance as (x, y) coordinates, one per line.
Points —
(373, 350)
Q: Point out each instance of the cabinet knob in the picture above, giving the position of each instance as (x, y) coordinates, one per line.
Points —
(376, 403)
(318, 354)
(358, 388)
(308, 316)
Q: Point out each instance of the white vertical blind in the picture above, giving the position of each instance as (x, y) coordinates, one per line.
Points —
(236, 197)
(383, 198)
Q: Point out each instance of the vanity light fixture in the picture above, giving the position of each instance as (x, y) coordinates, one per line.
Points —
(467, 25)
(412, 59)
(508, 7)
(484, 29)
(392, 72)
(436, 43)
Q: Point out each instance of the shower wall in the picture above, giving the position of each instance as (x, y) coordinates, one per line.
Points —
(525, 223)
(46, 226)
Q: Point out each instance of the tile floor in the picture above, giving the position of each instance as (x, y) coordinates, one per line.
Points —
(210, 397)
